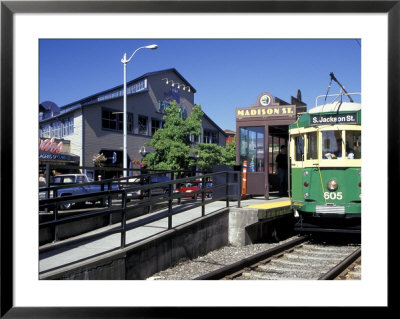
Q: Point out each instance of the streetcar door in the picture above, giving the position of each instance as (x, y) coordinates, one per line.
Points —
(297, 151)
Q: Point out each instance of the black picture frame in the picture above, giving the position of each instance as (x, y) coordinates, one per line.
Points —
(9, 8)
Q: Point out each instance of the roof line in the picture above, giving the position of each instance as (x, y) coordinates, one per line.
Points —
(215, 124)
(128, 83)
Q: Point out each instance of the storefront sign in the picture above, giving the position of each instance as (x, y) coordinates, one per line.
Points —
(172, 95)
(49, 145)
(334, 119)
(163, 105)
(287, 110)
(46, 156)
(60, 157)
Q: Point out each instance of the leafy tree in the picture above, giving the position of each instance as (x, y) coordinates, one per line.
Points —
(171, 144)
(213, 154)
(208, 155)
(229, 153)
(173, 149)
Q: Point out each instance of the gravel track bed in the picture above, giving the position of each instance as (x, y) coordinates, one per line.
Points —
(190, 269)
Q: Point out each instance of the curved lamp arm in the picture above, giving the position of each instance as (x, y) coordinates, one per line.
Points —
(152, 47)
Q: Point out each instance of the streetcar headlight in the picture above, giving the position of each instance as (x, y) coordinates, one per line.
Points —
(332, 185)
(306, 195)
(305, 173)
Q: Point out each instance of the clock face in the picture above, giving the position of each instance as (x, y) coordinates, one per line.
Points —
(265, 100)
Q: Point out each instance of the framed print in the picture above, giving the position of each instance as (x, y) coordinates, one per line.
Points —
(24, 23)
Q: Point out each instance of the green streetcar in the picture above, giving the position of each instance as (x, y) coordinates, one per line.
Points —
(325, 152)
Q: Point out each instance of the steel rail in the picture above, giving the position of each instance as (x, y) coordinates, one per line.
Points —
(340, 267)
(249, 261)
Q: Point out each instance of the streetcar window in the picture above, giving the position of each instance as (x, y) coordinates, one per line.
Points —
(299, 146)
(353, 144)
(312, 145)
(331, 144)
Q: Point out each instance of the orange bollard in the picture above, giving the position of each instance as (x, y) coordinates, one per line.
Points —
(244, 179)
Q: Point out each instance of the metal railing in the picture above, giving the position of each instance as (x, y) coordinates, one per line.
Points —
(108, 194)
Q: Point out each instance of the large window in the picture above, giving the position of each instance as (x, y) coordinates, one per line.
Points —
(353, 144)
(252, 148)
(312, 153)
(45, 131)
(109, 120)
(332, 144)
(112, 120)
(210, 137)
(334, 147)
(156, 125)
(143, 125)
(299, 148)
(58, 129)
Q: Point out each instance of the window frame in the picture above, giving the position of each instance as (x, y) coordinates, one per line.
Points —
(118, 121)
(260, 161)
(147, 125)
(211, 138)
(154, 128)
(319, 161)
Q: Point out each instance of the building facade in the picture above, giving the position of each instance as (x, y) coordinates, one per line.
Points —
(261, 130)
(94, 125)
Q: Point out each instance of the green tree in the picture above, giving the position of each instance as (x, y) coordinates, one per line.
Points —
(171, 144)
(208, 155)
(229, 153)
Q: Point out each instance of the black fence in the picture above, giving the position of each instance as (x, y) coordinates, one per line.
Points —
(118, 190)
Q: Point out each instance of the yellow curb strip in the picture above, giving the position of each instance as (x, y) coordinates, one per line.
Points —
(271, 205)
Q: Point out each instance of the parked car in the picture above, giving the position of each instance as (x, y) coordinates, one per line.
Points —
(190, 187)
(75, 189)
(136, 181)
(128, 183)
(162, 189)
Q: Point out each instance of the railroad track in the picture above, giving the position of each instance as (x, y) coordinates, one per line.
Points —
(298, 259)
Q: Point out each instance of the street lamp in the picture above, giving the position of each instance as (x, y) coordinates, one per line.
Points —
(125, 61)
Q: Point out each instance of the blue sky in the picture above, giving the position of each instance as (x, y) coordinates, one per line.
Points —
(227, 73)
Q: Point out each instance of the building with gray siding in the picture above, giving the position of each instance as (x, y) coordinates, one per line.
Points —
(94, 124)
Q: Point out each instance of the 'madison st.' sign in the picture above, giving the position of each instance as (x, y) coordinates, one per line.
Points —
(265, 108)
(265, 111)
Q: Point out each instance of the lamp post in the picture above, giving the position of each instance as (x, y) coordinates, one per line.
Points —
(125, 61)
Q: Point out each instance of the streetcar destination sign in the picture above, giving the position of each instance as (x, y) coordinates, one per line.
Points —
(350, 118)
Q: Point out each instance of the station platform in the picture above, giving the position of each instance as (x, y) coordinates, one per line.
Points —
(250, 211)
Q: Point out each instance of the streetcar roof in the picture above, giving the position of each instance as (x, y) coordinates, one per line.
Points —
(334, 107)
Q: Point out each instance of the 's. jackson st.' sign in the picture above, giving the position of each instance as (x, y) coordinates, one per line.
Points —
(350, 118)
(285, 110)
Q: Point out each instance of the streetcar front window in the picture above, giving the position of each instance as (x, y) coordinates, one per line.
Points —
(353, 144)
(332, 144)
(299, 145)
(312, 146)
